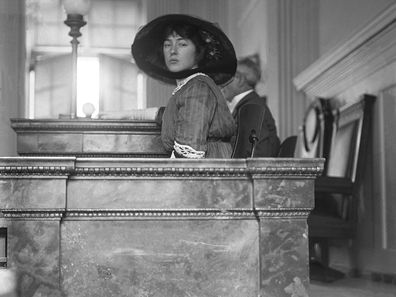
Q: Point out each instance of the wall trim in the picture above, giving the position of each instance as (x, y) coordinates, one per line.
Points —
(369, 50)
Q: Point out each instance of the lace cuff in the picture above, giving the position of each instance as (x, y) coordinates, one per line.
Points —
(188, 152)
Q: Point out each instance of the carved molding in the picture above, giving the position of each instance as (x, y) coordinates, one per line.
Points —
(47, 214)
(188, 213)
(199, 172)
(32, 214)
(41, 166)
(161, 167)
(152, 213)
(35, 170)
(286, 171)
(22, 125)
(160, 171)
(97, 155)
(368, 51)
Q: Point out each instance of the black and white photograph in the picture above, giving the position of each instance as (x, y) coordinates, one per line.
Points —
(197, 148)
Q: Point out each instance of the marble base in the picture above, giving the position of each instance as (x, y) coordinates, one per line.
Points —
(168, 258)
(157, 227)
(34, 252)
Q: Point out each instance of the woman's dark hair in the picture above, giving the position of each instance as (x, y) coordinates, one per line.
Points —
(187, 32)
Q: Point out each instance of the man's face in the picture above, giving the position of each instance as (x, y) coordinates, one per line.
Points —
(230, 90)
(249, 73)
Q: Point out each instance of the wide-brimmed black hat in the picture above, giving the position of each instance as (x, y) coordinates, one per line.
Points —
(219, 61)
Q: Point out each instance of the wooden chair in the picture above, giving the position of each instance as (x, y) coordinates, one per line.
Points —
(315, 135)
(336, 191)
(288, 147)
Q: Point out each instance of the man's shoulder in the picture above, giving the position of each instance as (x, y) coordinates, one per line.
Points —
(253, 98)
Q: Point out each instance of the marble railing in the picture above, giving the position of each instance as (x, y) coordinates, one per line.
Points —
(88, 138)
(157, 227)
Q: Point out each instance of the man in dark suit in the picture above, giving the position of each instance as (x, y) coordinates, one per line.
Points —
(241, 96)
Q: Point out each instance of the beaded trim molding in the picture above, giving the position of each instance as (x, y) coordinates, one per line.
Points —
(32, 214)
(309, 172)
(36, 170)
(64, 171)
(154, 213)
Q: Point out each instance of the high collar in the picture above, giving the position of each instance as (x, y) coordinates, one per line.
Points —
(182, 82)
(234, 102)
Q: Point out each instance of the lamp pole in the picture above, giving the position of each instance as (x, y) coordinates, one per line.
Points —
(75, 22)
(75, 10)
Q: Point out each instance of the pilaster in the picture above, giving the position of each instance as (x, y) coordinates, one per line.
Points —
(293, 45)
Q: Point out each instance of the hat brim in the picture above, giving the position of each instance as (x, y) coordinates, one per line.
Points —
(148, 44)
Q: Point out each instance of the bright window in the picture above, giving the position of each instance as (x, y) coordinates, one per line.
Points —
(106, 75)
(87, 84)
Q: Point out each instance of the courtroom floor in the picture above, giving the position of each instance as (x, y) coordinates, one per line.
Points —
(352, 287)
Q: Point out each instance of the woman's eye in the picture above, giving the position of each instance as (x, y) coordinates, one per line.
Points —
(167, 44)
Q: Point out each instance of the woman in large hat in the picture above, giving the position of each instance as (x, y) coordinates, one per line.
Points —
(196, 56)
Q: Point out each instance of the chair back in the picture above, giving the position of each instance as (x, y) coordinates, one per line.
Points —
(288, 147)
(315, 135)
(349, 138)
(337, 191)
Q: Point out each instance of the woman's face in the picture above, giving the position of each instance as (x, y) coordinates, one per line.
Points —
(179, 53)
